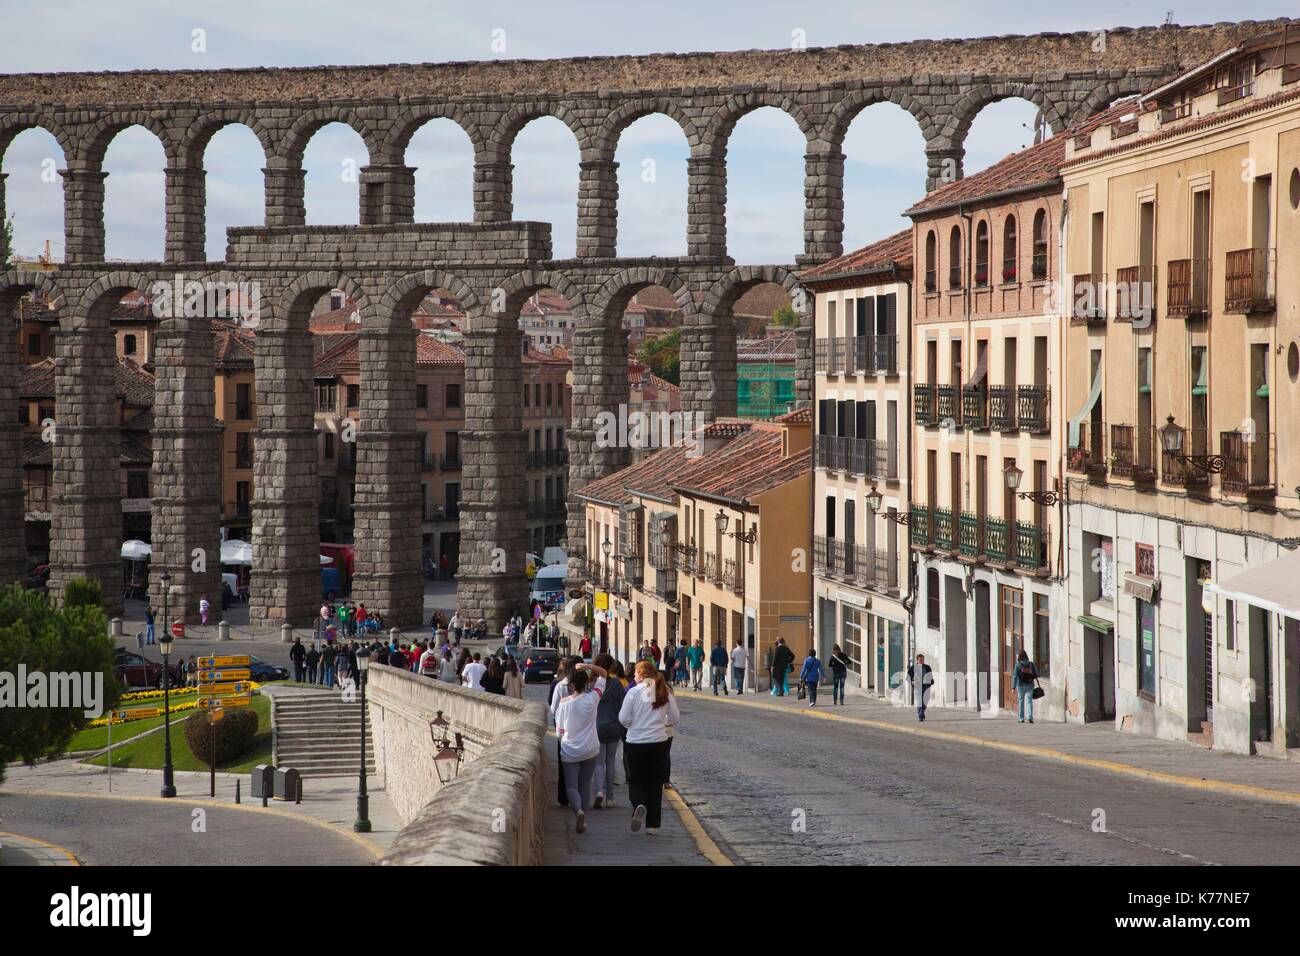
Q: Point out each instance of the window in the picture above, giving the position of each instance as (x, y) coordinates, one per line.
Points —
(550, 399)
(244, 401)
(1106, 569)
(1145, 561)
(1040, 244)
(1012, 601)
(537, 394)
(34, 344)
(954, 258)
(354, 396)
(244, 449)
(329, 446)
(982, 253)
(137, 484)
(1042, 636)
(326, 396)
(243, 495)
(932, 598)
(931, 273)
(527, 396)
(852, 638)
(1230, 625)
(1009, 250)
(1146, 618)
(128, 344)
(422, 396)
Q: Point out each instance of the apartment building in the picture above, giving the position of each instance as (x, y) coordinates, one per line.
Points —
(1181, 387)
(236, 412)
(707, 543)
(862, 473)
(986, 355)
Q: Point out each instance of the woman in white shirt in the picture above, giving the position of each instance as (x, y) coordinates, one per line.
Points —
(649, 712)
(575, 725)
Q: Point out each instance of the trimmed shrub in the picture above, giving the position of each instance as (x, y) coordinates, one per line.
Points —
(235, 733)
(80, 592)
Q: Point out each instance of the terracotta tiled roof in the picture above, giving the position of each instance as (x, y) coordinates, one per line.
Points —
(546, 303)
(896, 250)
(745, 467)
(37, 380)
(553, 358)
(233, 347)
(133, 383)
(37, 453)
(1038, 167)
(136, 449)
(431, 351)
(779, 347)
(335, 352)
(800, 416)
(649, 476)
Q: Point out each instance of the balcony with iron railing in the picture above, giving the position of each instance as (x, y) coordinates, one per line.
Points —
(1088, 299)
(1088, 457)
(869, 457)
(943, 529)
(876, 569)
(875, 354)
(1133, 452)
(1247, 463)
(1135, 294)
(975, 407)
(921, 527)
(710, 568)
(924, 404)
(1190, 466)
(450, 461)
(948, 403)
(1189, 288)
(1250, 281)
(1002, 408)
(1033, 407)
(970, 535)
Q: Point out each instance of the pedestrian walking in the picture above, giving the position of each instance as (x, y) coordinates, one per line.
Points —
(429, 666)
(472, 675)
(297, 656)
(609, 731)
(447, 669)
(739, 663)
(493, 679)
(575, 726)
(343, 667)
(313, 662)
(513, 681)
(695, 656)
(324, 620)
(922, 678)
(839, 674)
(718, 668)
(811, 674)
(148, 624)
(682, 667)
(328, 658)
(670, 662)
(1023, 679)
(648, 712)
(782, 664)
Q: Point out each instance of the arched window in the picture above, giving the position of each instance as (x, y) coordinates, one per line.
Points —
(1009, 262)
(954, 258)
(1040, 244)
(931, 267)
(982, 253)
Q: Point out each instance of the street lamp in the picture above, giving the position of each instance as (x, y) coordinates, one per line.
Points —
(448, 758)
(1013, 475)
(165, 645)
(362, 824)
(722, 520)
(1171, 440)
(874, 502)
(606, 547)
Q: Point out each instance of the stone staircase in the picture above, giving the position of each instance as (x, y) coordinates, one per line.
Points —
(319, 734)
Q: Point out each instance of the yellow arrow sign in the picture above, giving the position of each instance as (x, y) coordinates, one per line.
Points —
(239, 660)
(119, 716)
(216, 703)
(225, 690)
(222, 676)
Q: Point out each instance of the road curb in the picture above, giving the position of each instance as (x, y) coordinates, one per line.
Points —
(1229, 788)
(703, 842)
(72, 857)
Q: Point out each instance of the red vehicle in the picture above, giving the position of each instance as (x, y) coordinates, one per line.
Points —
(341, 557)
(140, 673)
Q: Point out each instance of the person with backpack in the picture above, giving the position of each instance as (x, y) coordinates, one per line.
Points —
(610, 732)
(839, 674)
(811, 675)
(1022, 680)
(718, 668)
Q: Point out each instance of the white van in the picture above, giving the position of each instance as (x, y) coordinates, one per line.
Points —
(548, 586)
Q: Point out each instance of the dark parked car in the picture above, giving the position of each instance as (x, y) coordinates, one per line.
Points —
(540, 663)
(262, 672)
(140, 673)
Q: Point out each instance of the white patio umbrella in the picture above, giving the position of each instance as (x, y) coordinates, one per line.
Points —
(236, 552)
(134, 550)
(325, 559)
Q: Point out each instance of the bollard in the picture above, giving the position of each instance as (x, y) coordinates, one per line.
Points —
(223, 631)
(298, 796)
(115, 627)
(263, 800)
(237, 783)
(394, 635)
(286, 633)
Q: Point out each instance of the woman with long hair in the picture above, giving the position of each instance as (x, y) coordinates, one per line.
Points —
(514, 681)
(575, 726)
(649, 711)
(493, 680)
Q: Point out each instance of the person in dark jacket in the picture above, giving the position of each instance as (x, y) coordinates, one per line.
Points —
(313, 661)
(922, 679)
(297, 654)
(811, 675)
(782, 660)
(718, 668)
(839, 674)
(1022, 681)
(609, 730)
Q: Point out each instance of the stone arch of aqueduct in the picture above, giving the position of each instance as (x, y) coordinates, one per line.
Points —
(493, 263)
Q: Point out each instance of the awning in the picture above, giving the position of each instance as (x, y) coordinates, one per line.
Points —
(1271, 586)
(1093, 394)
(1095, 623)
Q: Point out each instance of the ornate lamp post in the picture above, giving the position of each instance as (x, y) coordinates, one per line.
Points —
(1012, 474)
(447, 758)
(362, 824)
(606, 547)
(165, 645)
(875, 499)
(722, 520)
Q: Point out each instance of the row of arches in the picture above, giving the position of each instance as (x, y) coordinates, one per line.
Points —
(997, 253)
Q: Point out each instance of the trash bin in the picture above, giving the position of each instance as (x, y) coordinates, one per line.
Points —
(286, 783)
(263, 780)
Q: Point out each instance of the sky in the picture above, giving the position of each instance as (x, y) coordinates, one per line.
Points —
(884, 170)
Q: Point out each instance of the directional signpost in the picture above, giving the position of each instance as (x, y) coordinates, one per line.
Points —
(223, 682)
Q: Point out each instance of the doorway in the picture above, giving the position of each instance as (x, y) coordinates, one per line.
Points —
(1099, 673)
(1011, 620)
(982, 686)
(955, 688)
